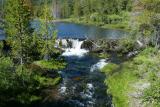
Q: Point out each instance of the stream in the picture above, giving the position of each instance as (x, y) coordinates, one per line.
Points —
(82, 82)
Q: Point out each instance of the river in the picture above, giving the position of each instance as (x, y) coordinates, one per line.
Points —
(82, 82)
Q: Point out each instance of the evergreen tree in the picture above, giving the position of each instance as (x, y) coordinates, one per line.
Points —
(86, 8)
(47, 32)
(76, 8)
(17, 26)
(65, 9)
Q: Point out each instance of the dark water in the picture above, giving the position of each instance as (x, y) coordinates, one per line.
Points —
(82, 87)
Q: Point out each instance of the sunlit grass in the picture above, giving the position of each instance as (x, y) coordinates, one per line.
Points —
(52, 64)
(118, 82)
(120, 78)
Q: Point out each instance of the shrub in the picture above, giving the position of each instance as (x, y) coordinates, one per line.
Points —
(126, 45)
(21, 84)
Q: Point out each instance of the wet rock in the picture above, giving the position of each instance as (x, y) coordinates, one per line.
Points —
(88, 45)
(131, 54)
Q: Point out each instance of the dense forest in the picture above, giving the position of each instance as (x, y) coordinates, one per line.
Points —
(32, 65)
(89, 11)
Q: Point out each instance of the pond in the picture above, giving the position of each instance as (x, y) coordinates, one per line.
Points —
(80, 31)
(72, 30)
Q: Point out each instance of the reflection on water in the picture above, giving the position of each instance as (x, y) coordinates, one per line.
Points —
(80, 31)
(2, 35)
(72, 30)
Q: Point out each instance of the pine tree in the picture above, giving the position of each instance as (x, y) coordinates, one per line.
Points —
(17, 26)
(65, 9)
(86, 8)
(76, 8)
(47, 32)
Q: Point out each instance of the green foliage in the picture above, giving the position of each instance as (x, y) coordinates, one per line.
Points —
(120, 79)
(92, 11)
(103, 55)
(126, 45)
(47, 81)
(149, 20)
(47, 35)
(118, 82)
(152, 94)
(110, 68)
(17, 27)
(22, 86)
(52, 64)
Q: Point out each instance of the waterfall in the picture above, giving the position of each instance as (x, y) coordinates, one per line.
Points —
(75, 49)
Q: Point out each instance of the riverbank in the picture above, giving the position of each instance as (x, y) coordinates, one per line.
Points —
(119, 26)
(130, 83)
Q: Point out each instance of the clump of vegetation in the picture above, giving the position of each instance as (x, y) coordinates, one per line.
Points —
(21, 86)
(110, 68)
(118, 82)
(52, 64)
(21, 81)
(95, 12)
(152, 94)
(126, 45)
(121, 78)
(104, 55)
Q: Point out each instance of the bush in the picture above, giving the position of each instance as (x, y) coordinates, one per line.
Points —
(21, 84)
(52, 64)
(126, 45)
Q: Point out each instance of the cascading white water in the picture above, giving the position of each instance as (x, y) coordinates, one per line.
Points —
(76, 49)
(99, 65)
(79, 85)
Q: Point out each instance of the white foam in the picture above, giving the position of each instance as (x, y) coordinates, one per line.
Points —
(63, 90)
(90, 86)
(99, 65)
(64, 42)
(75, 50)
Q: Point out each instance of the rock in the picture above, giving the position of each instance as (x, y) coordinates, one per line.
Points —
(88, 45)
(141, 85)
(140, 43)
(131, 54)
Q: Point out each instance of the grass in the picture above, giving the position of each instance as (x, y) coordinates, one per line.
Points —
(121, 78)
(118, 82)
(48, 81)
(52, 64)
